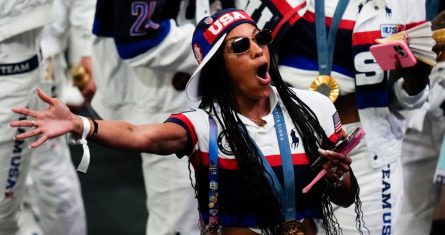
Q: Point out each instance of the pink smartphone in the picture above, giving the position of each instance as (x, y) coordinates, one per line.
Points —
(389, 55)
(342, 146)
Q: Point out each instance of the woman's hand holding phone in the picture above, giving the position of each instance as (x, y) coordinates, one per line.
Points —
(336, 158)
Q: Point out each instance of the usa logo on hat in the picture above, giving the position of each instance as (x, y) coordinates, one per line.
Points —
(207, 39)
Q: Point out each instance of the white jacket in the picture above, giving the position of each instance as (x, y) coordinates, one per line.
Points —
(71, 25)
(154, 65)
(17, 16)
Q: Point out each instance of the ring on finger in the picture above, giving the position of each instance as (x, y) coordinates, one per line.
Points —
(339, 172)
(33, 123)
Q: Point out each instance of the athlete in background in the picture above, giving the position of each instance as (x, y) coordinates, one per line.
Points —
(53, 191)
(368, 97)
(143, 51)
(421, 211)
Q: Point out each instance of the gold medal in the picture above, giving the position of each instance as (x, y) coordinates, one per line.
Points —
(293, 227)
(327, 86)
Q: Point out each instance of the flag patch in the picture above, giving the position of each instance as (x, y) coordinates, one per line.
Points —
(387, 30)
(337, 123)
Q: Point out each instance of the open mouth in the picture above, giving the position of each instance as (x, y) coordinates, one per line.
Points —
(261, 71)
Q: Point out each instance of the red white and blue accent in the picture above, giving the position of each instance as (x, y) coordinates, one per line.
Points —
(235, 209)
(208, 38)
(337, 123)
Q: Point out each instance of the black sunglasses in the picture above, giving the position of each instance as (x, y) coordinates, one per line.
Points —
(242, 45)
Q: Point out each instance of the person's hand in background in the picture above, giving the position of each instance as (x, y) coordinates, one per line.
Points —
(89, 89)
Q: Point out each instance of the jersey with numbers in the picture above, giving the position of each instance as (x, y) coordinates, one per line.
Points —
(138, 26)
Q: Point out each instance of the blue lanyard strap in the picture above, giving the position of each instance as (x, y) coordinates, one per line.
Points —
(287, 164)
(213, 174)
(286, 196)
(326, 45)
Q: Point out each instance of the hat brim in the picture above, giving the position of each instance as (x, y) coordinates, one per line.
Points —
(193, 83)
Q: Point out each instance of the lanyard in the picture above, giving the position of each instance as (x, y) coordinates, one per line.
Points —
(213, 176)
(325, 45)
(286, 195)
(287, 164)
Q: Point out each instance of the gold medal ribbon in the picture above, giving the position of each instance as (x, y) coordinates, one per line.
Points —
(327, 86)
(325, 83)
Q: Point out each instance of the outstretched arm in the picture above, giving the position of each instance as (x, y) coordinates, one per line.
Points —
(57, 120)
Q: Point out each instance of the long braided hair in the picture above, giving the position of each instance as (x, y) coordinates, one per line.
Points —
(215, 87)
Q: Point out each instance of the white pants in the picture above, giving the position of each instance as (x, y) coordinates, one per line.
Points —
(420, 154)
(53, 193)
(170, 197)
(380, 193)
(16, 91)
